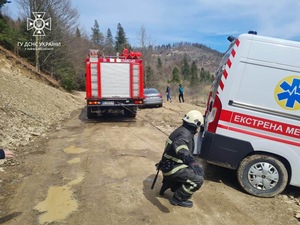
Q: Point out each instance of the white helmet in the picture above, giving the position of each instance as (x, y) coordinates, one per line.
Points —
(194, 117)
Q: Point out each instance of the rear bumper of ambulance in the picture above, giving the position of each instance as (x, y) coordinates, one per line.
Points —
(224, 151)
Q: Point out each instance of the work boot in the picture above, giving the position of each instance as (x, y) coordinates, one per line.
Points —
(175, 201)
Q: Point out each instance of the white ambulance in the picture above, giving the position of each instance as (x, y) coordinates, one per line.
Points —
(252, 120)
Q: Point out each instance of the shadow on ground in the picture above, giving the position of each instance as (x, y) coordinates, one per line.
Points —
(153, 195)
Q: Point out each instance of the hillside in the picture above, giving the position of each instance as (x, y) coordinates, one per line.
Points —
(172, 57)
(30, 102)
(204, 57)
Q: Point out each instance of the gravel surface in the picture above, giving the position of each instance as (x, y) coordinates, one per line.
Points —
(28, 106)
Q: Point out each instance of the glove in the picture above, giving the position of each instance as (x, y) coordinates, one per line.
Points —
(197, 169)
(189, 160)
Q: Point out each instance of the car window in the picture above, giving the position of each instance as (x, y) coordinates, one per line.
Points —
(150, 91)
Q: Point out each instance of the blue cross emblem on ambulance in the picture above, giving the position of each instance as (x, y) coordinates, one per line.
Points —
(287, 93)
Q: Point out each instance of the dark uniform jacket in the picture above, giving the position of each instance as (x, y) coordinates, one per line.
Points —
(178, 150)
(2, 154)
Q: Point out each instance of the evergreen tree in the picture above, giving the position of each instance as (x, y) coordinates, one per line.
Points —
(121, 40)
(6, 34)
(149, 76)
(175, 75)
(185, 69)
(202, 75)
(109, 43)
(205, 76)
(97, 36)
(159, 66)
(194, 74)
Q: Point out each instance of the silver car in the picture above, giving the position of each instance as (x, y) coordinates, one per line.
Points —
(152, 98)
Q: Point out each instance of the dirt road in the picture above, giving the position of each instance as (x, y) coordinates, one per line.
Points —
(100, 172)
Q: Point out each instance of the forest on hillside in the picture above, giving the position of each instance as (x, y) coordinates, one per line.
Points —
(60, 48)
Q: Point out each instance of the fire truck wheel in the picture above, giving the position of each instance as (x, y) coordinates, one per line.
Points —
(262, 175)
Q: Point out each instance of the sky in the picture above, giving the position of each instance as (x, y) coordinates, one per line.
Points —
(207, 22)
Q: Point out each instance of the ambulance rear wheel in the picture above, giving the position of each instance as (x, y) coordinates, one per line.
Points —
(262, 175)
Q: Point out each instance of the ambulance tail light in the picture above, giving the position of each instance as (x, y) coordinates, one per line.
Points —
(214, 115)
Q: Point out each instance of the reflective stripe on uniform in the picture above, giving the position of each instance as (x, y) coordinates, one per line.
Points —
(187, 190)
(173, 158)
(175, 170)
(192, 186)
(181, 147)
(168, 141)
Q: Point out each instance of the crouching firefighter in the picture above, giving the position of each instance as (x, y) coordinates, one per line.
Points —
(181, 172)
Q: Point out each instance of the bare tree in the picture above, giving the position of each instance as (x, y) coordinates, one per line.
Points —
(144, 40)
(63, 23)
(146, 48)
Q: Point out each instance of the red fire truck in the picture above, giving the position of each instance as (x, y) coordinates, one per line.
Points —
(114, 84)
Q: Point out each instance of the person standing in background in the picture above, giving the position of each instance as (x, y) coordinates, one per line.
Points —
(168, 92)
(181, 92)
